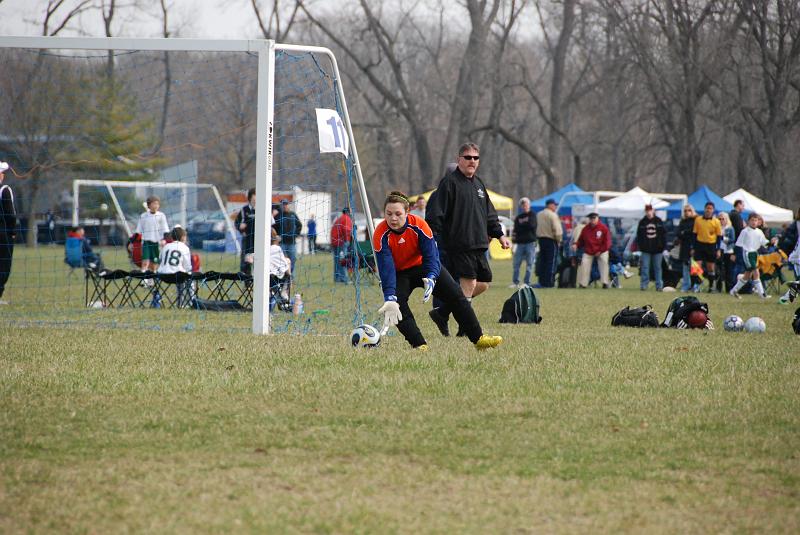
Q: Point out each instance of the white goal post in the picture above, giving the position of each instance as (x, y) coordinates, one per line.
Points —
(109, 186)
(265, 51)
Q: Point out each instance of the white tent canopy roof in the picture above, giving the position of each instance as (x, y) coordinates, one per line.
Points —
(631, 204)
(772, 214)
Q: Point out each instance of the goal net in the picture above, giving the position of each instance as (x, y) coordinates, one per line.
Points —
(94, 128)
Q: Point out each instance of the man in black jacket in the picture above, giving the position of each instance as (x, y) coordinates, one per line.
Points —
(288, 227)
(246, 224)
(524, 237)
(8, 230)
(651, 240)
(464, 219)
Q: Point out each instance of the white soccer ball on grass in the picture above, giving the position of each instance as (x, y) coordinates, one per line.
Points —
(755, 325)
(365, 336)
(733, 323)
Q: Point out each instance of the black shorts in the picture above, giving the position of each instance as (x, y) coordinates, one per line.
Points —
(471, 264)
(705, 252)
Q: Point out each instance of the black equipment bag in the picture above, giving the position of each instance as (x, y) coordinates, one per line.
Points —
(796, 321)
(635, 317)
(679, 311)
(521, 307)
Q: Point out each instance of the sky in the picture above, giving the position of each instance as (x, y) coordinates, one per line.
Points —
(210, 19)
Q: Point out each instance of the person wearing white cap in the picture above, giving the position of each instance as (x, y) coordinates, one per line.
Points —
(8, 230)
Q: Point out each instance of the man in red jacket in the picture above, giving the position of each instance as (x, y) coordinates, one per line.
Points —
(595, 240)
(341, 236)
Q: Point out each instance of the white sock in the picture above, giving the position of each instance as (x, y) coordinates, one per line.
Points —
(786, 296)
(758, 287)
(469, 299)
(739, 283)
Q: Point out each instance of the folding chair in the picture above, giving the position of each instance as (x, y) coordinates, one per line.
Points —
(73, 254)
(360, 263)
(139, 293)
(771, 268)
(180, 298)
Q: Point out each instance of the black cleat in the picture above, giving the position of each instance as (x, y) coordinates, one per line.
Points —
(440, 321)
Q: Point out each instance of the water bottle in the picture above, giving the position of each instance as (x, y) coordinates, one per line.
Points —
(297, 307)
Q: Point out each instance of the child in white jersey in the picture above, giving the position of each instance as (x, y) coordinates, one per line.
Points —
(152, 226)
(750, 240)
(177, 258)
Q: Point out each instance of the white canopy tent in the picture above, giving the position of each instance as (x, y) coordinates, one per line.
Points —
(772, 214)
(629, 204)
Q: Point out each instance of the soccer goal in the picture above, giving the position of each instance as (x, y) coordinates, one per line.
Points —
(93, 127)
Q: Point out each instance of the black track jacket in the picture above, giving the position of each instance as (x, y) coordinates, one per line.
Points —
(461, 214)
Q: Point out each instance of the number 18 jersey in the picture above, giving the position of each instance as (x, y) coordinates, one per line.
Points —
(175, 257)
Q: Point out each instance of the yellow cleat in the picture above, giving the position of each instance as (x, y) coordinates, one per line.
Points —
(487, 341)
(423, 347)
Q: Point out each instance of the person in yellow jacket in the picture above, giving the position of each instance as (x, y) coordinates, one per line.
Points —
(708, 233)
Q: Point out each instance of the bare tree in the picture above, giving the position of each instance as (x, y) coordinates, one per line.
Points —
(482, 14)
(397, 92)
(771, 108)
(678, 45)
(275, 26)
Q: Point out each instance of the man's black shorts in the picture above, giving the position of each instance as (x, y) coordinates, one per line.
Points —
(705, 252)
(471, 264)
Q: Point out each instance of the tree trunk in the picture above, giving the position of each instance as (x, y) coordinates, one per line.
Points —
(555, 141)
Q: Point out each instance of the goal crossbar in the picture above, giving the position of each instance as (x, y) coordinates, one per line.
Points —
(265, 50)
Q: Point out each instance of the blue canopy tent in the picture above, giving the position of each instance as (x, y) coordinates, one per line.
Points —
(698, 200)
(576, 196)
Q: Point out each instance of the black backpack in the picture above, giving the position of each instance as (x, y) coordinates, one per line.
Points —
(679, 310)
(521, 307)
(635, 317)
(796, 321)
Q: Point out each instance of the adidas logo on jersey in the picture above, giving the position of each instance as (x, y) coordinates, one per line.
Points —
(401, 240)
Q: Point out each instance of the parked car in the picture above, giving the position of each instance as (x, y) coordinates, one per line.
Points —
(208, 225)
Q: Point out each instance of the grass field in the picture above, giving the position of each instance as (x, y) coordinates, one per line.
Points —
(570, 426)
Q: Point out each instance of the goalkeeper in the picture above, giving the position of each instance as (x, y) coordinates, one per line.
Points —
(407, 258)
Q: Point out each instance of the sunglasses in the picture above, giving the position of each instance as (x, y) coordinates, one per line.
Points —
(467, 157)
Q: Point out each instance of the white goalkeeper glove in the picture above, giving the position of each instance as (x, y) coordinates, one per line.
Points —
(391, 313)
(428, 285)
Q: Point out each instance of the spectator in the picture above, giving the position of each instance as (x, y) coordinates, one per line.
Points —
(311, 233)
(708, 232)
(177, 258)
(595, 240)
(341, 236)
(727, 260)
(89, 258)
(685, 239)
(465, 220)
(407, 258)
(751, 240)
(8, 230)
(246, 224)
(280, 267)
(790, 244)
(152, 226)
(288, 227)
(524, 238)
(419, 207)
(651, 240)
(549, 234)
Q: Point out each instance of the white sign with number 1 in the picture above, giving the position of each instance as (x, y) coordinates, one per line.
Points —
(332, 134)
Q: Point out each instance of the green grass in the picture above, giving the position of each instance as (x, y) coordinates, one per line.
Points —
(570, 426)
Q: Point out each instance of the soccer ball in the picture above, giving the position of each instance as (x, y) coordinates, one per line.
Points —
(733, 323)
(755, 325)
(365, 336)
(697, 319)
